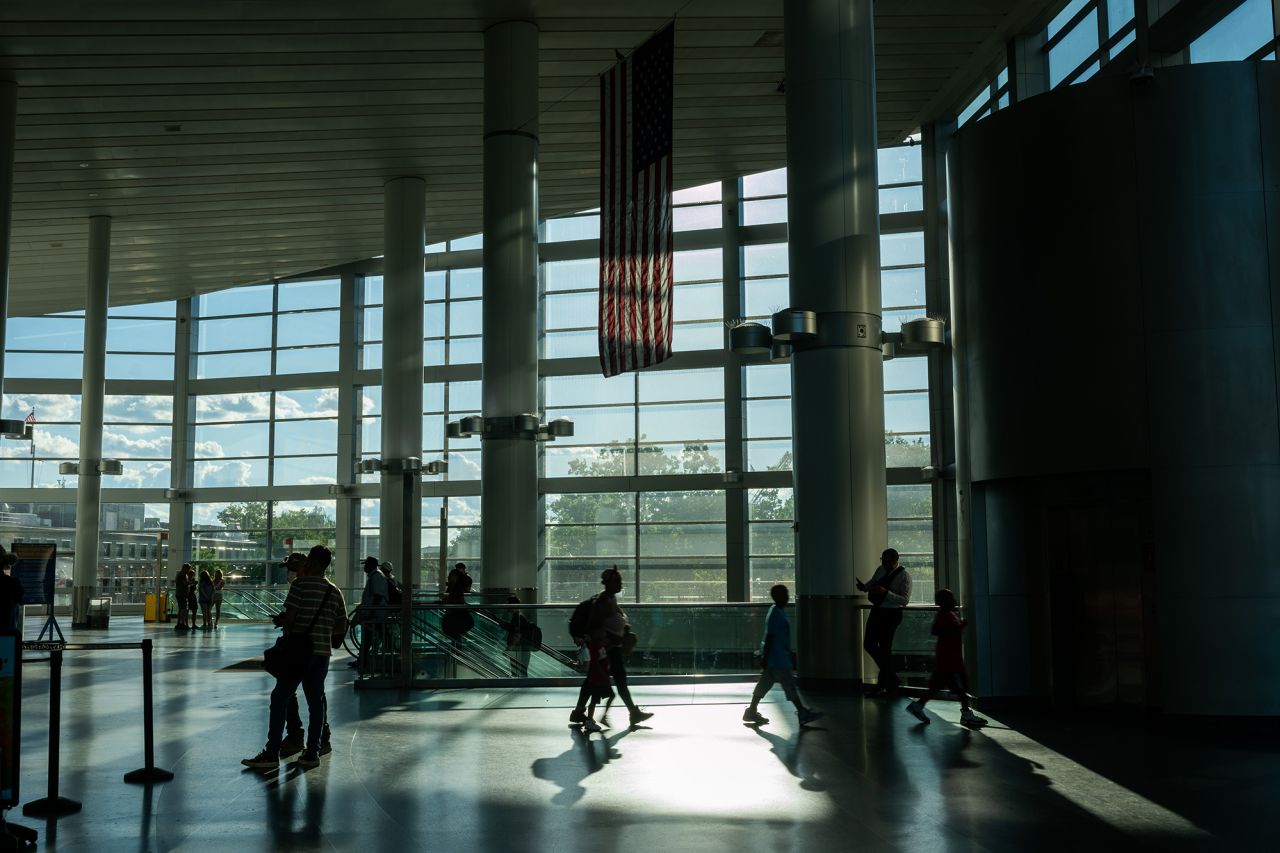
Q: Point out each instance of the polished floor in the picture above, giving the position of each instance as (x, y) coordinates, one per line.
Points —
(498, 770)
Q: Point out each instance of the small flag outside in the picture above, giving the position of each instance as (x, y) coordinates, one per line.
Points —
(635, 207)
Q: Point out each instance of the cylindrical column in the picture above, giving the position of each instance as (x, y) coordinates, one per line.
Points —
(509, 465)
(8, 136)
(400, 519)
(92, 389)
(838, 385)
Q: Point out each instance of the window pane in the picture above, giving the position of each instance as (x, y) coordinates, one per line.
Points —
(237, 300)
(311, 403)
(315, 327)
(466, 283)
(768, 380)
(764, 211)
(765, 183)
(309, 360)
(214, 408)
(136, 409)
(37, 365)
(572, 228)
(902, 287)
(238, 333)
(664, 385)
(307, 436)
(146, 309)
(698, 265)
(1239, 34)
(682, 506)
(219, 441)
(465, 318)
(607, 507)
(304, 470)
(45, 333)
(233, 364)
(901, 199)
(682, 422)
(906, 374)
(588, 390)
(696, 217)
(301, 295)
(1075, 47)
(768, 418)
(140, 335)
(696, 301)
(137, 441)
(901, 249)
(571, 275)
(765, 259)
(130, 366)
(230, 472)
(572, 310)
(900, 164)
(766, 296)
(571, 344)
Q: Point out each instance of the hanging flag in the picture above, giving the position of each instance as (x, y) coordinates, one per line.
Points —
(31, 418)
(635, 207)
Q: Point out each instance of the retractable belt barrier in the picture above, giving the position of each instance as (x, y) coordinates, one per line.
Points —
(53, 805)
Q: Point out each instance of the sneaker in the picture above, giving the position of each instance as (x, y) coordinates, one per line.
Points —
(262, 761)
(604, 721)
(972, 721)
(914, 709)
(578, 717)
(754, 718)
(808, 715)
(638, 716)
(589, 725)
(292, 745)
(309, 758)
(326, 748)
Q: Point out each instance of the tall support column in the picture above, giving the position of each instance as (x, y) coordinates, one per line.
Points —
(400, 515)
(346, 569)
(92, 390)
(182, 473)
(509, 506)
(735, 497)
(837, 380)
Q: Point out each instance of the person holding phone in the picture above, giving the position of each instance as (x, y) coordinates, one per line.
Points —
(889, 590)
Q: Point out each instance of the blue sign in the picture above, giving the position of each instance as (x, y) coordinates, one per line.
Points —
(36, 570)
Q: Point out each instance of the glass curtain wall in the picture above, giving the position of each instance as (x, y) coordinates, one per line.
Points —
(260, 439)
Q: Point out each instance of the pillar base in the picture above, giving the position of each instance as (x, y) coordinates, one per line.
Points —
(830, 639)
(80, 596)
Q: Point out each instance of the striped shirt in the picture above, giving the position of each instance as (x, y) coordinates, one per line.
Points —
(304, 599)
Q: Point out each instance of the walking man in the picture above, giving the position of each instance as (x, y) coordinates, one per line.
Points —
(889, 590)
(777, 662)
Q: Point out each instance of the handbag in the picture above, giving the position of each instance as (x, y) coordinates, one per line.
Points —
(289, 656)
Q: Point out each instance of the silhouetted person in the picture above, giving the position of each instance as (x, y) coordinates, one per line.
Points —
(11, 595)
(316, 607)
(777, 662)
(182, 595)
(205, 588)
(606, 613)
(295, 737)
(948, 663)
(375, 597)
(889, 591)
(457, 622)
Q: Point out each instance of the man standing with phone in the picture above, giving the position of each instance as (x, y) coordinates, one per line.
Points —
(889, 590)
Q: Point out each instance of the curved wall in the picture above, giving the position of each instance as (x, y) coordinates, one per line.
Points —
(1116, 246)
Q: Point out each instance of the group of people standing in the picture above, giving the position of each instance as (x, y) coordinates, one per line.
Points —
(204, 593)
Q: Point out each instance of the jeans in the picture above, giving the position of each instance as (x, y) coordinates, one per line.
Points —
(312, 681)
(882, 624)
(618, 671)
(293, 719)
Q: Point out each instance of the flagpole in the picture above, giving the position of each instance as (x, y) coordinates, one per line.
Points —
(33, 447)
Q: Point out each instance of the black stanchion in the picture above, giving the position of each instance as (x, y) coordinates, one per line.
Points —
(148, 773)
(53, 805)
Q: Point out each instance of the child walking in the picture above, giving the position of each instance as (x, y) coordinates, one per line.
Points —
(777, 663)
(597, 680)
(948, 665)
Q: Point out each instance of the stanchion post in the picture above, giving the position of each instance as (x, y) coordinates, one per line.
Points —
(53, 805)
(149, 772)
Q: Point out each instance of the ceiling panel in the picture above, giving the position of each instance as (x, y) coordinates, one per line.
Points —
(236, 141)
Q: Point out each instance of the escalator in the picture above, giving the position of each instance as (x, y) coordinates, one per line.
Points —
(481, 652)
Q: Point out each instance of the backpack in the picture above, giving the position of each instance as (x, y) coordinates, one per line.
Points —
(580, 621)
(531, 634)
(394, 595)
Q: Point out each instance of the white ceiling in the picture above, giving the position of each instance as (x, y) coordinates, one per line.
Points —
(236, 140)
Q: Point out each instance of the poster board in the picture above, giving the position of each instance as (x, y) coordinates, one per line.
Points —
(10, 717)
(36, 570)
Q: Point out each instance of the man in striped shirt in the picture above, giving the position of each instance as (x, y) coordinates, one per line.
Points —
(315, 607)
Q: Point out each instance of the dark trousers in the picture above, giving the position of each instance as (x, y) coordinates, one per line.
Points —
(618, 672)
(312, 682)
(878, 641)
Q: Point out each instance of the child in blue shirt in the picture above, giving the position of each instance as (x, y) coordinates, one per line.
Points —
(776, 661)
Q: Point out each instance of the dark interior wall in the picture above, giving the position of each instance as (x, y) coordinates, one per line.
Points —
(1117, 251)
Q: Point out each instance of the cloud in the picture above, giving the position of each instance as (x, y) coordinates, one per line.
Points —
(226, 474)
(50, 408)
(255, 405)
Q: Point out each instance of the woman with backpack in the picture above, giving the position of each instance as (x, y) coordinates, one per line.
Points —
(606, 613)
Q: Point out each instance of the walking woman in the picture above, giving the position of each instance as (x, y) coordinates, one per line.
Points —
(618, 640)
(218, 583)
(206, 600)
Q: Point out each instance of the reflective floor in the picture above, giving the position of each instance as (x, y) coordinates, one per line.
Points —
(498, 770)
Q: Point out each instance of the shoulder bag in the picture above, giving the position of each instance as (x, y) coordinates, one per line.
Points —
(288, 657)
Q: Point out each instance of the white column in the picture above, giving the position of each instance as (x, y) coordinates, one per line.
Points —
(838, 384)
(509, 462)
(92, 390)
(8, 132)
(400, 516)
(346, 569)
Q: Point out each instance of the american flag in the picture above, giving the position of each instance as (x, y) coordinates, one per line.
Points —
(635, 207)
(31, 418)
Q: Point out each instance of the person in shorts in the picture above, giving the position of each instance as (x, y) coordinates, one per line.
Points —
(948, 663)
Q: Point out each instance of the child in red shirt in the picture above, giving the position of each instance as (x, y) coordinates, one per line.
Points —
(597, 680)
(948, 666)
